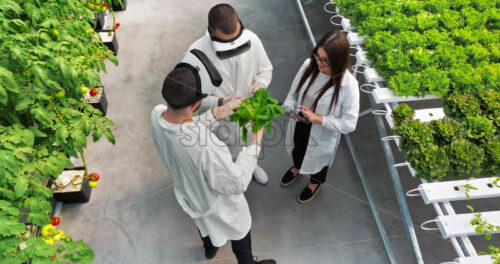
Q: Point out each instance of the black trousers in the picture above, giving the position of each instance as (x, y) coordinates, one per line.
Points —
(300, 140)
(242, 248)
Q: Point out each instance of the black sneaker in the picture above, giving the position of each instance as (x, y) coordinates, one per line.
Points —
(211, 252)
(307, 195)
(288, 178)
(266, 261)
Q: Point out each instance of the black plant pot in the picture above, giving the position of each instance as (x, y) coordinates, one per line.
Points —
(110, 41)
(100, 21)
(118, 7)
(100, 102)
(79, 195)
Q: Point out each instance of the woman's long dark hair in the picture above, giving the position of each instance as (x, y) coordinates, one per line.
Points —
(336, 47)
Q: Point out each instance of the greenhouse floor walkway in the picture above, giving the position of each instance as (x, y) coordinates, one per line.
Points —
(133, 216)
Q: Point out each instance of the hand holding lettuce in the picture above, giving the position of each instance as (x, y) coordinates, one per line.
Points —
(260, 109)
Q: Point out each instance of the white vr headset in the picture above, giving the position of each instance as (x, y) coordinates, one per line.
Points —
(225, 49)
(208, 78)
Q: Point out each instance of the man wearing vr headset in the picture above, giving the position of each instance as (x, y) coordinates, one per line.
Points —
(208, 185)
(240, 58)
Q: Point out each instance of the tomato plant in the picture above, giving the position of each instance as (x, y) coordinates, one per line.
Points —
(47, 54)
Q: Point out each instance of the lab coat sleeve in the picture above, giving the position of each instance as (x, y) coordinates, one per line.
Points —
(208, 103)
(290, 101)
(346, 123)
(225, 176)
(265, 68)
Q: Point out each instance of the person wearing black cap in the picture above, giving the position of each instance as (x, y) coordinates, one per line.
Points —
(208, 185)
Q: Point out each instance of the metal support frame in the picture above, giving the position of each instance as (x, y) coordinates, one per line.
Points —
(359, 169)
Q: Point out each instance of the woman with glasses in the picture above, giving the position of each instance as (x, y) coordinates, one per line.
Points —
(324, 103)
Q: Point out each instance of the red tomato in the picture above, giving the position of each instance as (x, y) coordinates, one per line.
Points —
(94, 176)
(93, 92)
(55, 220)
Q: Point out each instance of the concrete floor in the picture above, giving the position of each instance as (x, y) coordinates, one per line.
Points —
(133, 216)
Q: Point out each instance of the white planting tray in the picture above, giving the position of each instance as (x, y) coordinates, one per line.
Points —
(484, 259)
(452, 190)
(429, 114)
(362, 59)
(459, 225)
(355, 39)
(385, 95)
(372, 76)
(346, 24)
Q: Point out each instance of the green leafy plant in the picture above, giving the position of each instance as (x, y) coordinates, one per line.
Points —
(436, 81)
(461, 106)
(406, 84)
(480, 129)
(494, 252)
(465, 157)
(260, 109)
(482, 226)
(414, 135)
(446, 130)
(491, 163)
(429, 161)
(466, 187)
(49, 55)
(402, 112)
(490, 105)
(444, 48)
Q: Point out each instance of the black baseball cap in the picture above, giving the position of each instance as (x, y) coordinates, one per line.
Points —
(182, 86)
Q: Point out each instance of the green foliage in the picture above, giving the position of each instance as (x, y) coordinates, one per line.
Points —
(429, 161)
(465, 157)
(482, 226)
(446, 130)
(406, 84)
(414, 134)
(401, 113)
(467, 187)
(480, 129)
(462, 106)
(494, 252)
(260, 109)
(490, 105)
(491, 163)
(48, 50)
(407, 38)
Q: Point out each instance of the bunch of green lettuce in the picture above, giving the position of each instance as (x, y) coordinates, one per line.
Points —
(260, 109)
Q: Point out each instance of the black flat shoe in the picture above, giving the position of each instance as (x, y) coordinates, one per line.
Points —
(307, 195)
(288, 178)
(211, 252)
(265, 261)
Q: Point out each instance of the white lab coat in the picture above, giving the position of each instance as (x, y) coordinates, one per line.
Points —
(208, 185)
(239, 72)
(324, 138)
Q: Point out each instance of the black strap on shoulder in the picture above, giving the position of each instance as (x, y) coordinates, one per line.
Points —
(213, 73)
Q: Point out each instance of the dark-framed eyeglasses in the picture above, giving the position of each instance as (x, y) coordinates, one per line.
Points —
(324, 61)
